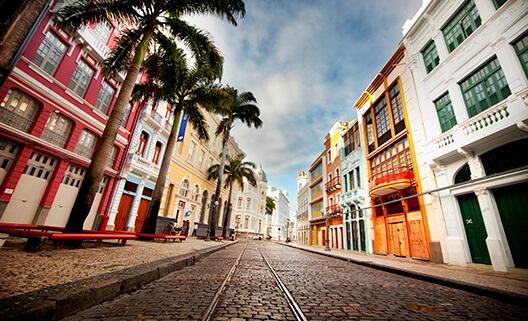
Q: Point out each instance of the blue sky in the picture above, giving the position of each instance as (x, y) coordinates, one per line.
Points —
(306, 61)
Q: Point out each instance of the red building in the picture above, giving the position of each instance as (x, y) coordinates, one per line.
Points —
(53, 109)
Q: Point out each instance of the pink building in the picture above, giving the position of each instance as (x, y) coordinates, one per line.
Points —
(53, 109)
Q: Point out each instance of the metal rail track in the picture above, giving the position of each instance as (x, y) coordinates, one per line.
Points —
(211, 309)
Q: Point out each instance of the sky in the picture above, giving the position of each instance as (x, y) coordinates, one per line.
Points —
(306, 62)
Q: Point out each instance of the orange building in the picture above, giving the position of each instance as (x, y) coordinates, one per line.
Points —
(398, 216)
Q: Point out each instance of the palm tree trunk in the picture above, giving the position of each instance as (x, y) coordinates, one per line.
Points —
(228, 211)
(94, 173)
(214, 213)
(149, 227)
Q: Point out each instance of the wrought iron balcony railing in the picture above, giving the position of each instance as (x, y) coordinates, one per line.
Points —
(54, 138)
(15, 120)
(333, 209)
(333, 184)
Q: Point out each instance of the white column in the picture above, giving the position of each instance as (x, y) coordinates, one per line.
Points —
(457, 101)
(135, 205)
(485, 8)
(441, 46)
(498, 249)
(511, 66)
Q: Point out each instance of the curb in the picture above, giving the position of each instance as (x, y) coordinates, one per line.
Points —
(60, 301)
(506, 296)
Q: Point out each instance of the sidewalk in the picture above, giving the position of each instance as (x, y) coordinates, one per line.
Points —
(53, 283)
(511, 285)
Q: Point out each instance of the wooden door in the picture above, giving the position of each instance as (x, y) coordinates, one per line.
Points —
(394, 240)
(380, 236)
(512, 203)
(354, 236)
(417, 239)
(362, 235)
(403, 238)
(141, 214)
(474, 225)
(123, 211)
(323, 237)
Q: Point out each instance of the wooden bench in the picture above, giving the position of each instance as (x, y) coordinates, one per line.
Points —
(99, 237)
(163, 237)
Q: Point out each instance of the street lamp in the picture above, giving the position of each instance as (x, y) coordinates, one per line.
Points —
(327, 240)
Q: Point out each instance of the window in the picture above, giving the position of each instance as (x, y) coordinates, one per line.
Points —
(168, 111)
(49, 53)
(196, 193)
(248, 203)
(105, 97)
(484, 88)
(463, 23)
(184, 188)
(18, 110)
(57, 129)
(370, 131)
(430, 56)
(190, 155)
(246, 222)
(397, 108)
(113, 154)
(444, 109)
(239, 202)
(86, 144)
(142, 146)
(351, 139)
(210, 162)
(393, 160)
(81, 78)
(499, 3)
(352, 180)
(157, 152)
(201, 158)
(521, 48)
(358, 175)
(103, 30)
(382, 121)
(329, 160)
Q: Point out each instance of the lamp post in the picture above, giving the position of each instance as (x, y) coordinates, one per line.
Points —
(327, 240)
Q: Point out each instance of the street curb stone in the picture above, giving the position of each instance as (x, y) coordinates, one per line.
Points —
(506, 296)
(60, 301)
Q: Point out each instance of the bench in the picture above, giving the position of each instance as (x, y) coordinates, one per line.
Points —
(99, 237)
(27, 227)
(163, 237)
(24, 233)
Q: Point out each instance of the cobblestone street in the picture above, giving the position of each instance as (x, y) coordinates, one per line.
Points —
(352, 293)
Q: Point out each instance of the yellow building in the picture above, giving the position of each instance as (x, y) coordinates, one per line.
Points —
(187, 194)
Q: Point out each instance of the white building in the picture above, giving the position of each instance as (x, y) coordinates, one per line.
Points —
(303, 208)
(278, 222)
(469, 61)
(250, 207)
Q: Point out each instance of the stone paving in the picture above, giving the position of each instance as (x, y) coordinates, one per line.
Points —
(325, 289)
(252, 293)
(23, 272)
(332, 289)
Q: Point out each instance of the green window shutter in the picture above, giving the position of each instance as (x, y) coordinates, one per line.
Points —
(499, 3)
(521, 48)
(485, 87)
(430, 56)
(464, 22)
(445, 112)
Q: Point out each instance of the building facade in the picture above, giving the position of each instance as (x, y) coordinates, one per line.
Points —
(303, 208)
(133, 192)
(278, 220)
(332, 178)
(54, 107)
(250, 207)
(470, 63)
(316, 216)
(188, 192)
(353, 198)
(399, 218)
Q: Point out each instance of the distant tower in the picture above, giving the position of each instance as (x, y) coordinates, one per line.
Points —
(302, 179)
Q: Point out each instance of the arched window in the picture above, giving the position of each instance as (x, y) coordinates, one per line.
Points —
(86, 144)
(184, 188)
(18, 110)
(463, 174)
(196, 193)
(57, 129)
(157, 152)
(204, 205)
(142, 145)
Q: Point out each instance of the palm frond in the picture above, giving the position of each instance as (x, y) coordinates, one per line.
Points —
(227, 9)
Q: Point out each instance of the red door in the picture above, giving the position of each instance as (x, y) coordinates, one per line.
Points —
(122, 212)
(323, 237)
(142, 214)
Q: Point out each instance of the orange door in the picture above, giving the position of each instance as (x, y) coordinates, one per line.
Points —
(398, 239)
(323, 237)
(122, 212)
(142, 214)
(417, 239)
(380, 238)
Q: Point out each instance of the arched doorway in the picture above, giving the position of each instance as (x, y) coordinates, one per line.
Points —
(204, 205)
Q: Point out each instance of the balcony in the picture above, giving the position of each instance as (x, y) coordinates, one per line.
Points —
(390, 180)
(496, 123)
(354, 196)
(158, 120)
(15, 120)
(54, 138)
(334, 184)
(333, 209)
(142, 163)
(95, 42)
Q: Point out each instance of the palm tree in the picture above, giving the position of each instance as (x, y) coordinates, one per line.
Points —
(235, 107)
(147, 22)
(189, 90)
(235, 171)
(270, 207)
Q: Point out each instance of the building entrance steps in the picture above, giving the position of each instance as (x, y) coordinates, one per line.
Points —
(476, 278)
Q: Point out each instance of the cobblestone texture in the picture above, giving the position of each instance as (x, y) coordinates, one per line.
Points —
(51, 267)
(331, 289)
(181, 295)
(252, 293)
